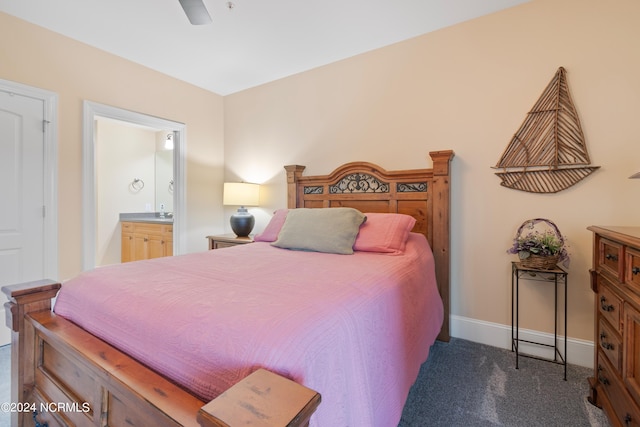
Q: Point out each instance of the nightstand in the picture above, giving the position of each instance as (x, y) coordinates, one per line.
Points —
(227, 240)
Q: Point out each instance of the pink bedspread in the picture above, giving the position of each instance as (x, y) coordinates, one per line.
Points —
(356, 328)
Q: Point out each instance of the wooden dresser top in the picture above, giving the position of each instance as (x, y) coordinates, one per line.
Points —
(624, 234)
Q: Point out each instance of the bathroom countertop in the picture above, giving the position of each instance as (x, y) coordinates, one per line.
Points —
(152, 217)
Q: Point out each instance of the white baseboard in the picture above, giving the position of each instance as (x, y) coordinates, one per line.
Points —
(579, 352)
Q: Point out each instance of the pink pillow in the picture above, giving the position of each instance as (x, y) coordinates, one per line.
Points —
(384, 232)
(271, 231)
(381, 232)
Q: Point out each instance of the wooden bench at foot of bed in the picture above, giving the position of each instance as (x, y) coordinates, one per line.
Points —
(68, 377)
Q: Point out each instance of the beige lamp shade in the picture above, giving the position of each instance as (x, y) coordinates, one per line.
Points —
(241, 194)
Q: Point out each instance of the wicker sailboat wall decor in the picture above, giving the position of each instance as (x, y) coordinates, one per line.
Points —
(548, 153)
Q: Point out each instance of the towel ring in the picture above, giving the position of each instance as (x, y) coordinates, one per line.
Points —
(137, 184)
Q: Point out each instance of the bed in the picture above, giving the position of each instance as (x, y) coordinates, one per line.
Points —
(355, 345)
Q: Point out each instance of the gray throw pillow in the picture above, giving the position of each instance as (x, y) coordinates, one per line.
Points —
(330, 230)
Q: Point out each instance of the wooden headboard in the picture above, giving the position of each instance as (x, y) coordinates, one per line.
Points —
(421, 193)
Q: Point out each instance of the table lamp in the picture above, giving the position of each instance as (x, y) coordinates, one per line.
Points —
(241, 194)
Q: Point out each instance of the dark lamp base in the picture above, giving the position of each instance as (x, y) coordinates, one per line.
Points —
(242, 222)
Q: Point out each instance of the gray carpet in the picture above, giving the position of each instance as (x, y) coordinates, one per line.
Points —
(469, 384)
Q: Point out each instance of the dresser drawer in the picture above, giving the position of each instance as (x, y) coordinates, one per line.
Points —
(227, 241)
(626, 410)
(609, 304)
(152, 228)
(632, 269)
(610, 344)
(220, 245)
(610, 258)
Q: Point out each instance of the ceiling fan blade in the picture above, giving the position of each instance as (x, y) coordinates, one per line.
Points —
(196, 11)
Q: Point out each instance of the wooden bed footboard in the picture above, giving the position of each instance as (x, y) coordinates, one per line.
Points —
(63, 376)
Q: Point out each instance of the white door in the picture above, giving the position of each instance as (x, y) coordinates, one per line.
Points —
(21, 188)
(28, 184)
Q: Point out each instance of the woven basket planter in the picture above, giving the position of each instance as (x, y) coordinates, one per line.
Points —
(540, 262)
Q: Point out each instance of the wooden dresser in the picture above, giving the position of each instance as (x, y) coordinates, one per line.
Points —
(615, 278)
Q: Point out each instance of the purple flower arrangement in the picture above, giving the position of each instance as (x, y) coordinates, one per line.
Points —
(542, 243)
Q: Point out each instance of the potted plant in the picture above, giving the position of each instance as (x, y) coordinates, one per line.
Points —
(540, 249)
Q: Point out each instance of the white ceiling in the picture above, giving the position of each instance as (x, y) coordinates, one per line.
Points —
(255, 42)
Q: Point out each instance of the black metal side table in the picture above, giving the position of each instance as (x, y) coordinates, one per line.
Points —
(557, 276)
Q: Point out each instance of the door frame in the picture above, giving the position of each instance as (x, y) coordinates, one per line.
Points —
(50, 172)
(92, 110)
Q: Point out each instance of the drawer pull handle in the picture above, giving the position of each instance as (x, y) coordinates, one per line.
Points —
(628, 419)
(635, 270)
(604, 306)
(603, 343)
(611, 257)
(603, 380)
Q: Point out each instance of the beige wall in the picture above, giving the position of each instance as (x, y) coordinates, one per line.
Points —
(76, 72)
(123, 153)
(467, 88)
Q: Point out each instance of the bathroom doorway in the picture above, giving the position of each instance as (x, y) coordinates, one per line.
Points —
(94, 114)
